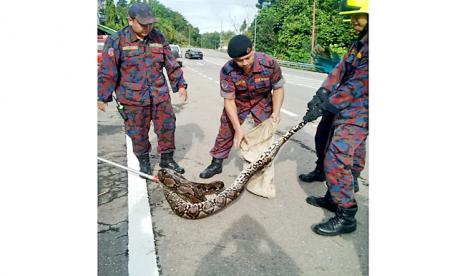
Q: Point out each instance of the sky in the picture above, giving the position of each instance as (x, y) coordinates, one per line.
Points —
(214, 15)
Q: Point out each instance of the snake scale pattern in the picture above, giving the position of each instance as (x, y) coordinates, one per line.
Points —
(188, 200)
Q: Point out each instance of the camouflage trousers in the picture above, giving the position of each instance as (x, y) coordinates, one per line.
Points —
(224, 139)
(138, 125)
(345, 154)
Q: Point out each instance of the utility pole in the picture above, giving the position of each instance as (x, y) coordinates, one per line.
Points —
(221, 32)
(255, 32)
(313, 32)
(189, 36)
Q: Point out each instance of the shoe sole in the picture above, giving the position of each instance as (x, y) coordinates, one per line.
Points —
(204, 177)
(317, 231)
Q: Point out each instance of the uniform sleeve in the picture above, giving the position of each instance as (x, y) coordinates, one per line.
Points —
(108, 72)
(175, 74)
(227, 88)
(277, 79)
(354, 87)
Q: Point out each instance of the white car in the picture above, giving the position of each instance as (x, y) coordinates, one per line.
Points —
(175, 48)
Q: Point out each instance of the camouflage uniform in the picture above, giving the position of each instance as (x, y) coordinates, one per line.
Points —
(133, 68)
(252, 95)
(348, 83)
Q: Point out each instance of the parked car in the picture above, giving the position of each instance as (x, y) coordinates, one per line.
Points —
(102, 34)
(100, 41)
(177, 53)
(191, 53)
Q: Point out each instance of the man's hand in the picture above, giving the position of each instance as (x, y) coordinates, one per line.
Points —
(238, 136)
(316, 106)
(313, 112)
(275, 117)
(102, 106)
(183, 94)
(314, 109)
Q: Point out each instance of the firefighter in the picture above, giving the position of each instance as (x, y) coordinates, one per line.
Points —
(132, 65)
(345, 95)
(246, 82)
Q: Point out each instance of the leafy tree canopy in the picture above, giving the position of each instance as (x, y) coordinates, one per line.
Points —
(284, 27)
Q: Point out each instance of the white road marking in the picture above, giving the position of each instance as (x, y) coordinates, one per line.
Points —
(210, 78)
(190, 68)
(207, 60)
(217, 82)
(288, 112)
(300, 77)
(199, 63)
(303, 85)
(142, 256)
(308, 82)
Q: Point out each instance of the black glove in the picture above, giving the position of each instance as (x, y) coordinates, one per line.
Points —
(316, 106)
(313, 110)
(323, 94)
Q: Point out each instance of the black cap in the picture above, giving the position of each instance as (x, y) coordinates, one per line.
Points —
(142, 13)
(239, 46)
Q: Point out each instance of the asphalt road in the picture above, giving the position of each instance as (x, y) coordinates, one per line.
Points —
(254, 235)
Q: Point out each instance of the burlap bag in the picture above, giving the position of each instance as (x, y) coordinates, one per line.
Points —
(259, 139)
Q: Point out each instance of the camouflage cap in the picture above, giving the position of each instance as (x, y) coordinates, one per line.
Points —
(142, 13)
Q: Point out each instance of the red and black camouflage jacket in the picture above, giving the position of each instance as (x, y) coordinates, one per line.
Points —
(133, 68)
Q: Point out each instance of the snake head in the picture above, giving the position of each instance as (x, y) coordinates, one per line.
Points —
(166, 178)
(162, 173)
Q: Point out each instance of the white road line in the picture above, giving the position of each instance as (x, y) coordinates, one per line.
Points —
(302, 78)
(303, 85)
(190, 68)
(288, 112)
(217, 82)
(142, 256)
(199, 63)
(210, 78)
(207, 60)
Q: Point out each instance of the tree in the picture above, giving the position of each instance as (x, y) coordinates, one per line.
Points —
(122, 12)
(243, 27)
(110, 15)
(211, 40)
(264, 3)
(284, 28)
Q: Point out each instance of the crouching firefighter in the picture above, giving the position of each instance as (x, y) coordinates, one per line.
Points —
(345, 95)
(132, 65)
(251, 83)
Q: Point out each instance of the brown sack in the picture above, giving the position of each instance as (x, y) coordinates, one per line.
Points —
(258, 140)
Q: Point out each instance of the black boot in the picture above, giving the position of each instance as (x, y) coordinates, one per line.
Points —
(343, 222)
(316, 175)
(323, 202)
(144, 164)
(215, 167)
(168, 162)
